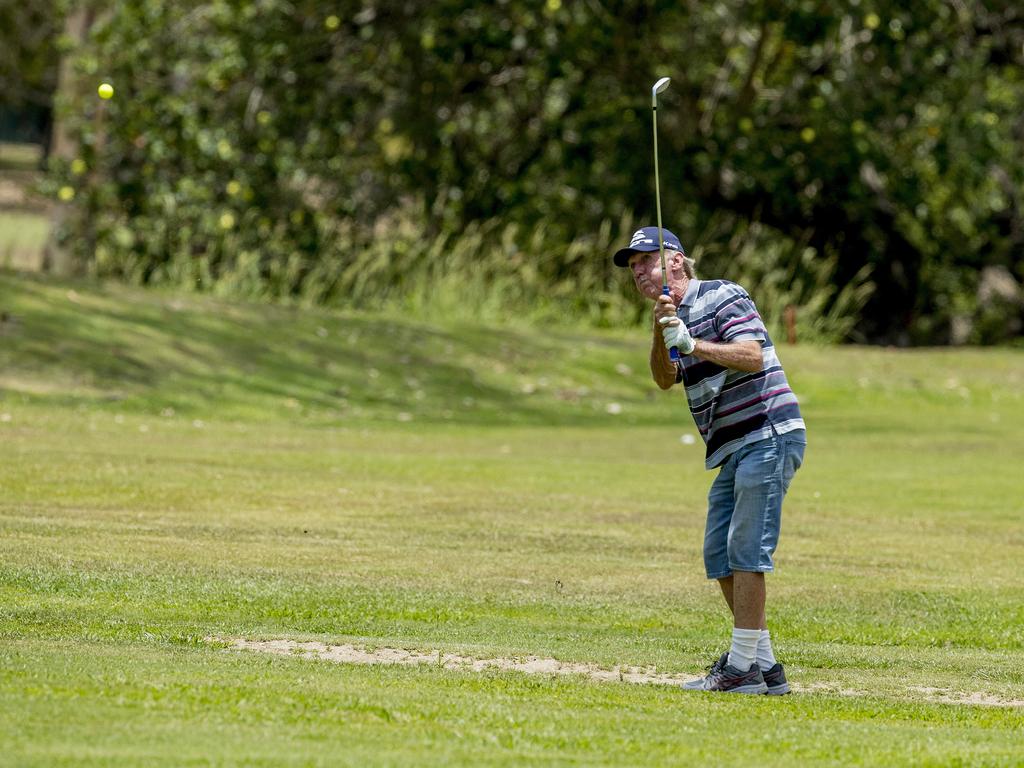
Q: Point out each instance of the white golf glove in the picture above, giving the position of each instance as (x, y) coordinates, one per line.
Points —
(676, 335)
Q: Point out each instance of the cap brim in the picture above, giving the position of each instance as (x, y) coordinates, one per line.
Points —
(621, 257)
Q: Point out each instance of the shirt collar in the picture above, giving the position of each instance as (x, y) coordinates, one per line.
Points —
(691, 293)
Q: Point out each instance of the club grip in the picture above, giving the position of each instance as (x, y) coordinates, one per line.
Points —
(673, 352)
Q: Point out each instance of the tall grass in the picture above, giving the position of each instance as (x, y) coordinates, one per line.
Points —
(504, 270)
(491, 268)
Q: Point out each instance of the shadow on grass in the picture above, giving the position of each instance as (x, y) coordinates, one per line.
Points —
(194, 352)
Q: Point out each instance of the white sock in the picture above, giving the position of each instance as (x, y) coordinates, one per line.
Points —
(744, 648)
(765, 655)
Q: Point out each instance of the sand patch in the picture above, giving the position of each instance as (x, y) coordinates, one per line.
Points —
(938, 695)
(531, 665)
(977, 698)
(536, 665)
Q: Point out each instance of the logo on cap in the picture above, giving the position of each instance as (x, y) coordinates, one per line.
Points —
(638, 239)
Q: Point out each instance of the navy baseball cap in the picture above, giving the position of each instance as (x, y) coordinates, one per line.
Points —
(646, 240)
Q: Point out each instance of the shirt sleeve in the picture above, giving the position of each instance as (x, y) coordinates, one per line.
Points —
(737, 319)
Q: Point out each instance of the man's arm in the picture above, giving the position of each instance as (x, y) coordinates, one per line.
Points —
(738, 355)
(662, 368)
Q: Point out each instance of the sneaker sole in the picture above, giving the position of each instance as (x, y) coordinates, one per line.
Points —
(778, 690)
(757, 689)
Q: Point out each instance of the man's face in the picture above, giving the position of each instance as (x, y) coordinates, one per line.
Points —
(646, 270)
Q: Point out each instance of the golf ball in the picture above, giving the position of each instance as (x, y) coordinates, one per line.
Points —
(106, 90)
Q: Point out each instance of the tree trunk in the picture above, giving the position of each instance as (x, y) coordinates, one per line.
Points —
(57, 257)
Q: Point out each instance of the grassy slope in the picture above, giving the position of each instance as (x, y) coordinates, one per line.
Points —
(176, 467)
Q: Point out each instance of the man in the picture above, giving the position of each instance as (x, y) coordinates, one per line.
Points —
(751, 425)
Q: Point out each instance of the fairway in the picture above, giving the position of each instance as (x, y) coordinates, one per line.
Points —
(180, 472)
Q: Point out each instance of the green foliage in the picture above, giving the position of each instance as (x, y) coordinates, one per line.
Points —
(257, 144)
(781, 275)
(29, 51)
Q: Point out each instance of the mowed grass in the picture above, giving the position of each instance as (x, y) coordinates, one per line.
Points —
(176, 468)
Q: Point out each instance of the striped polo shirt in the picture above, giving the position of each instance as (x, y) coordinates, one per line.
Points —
(732, 408)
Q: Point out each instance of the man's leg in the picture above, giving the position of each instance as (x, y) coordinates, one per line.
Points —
(756, 472)
(728, 591)
(726, 585)
(748, 600)
(748, 589)
(721, 514)
(748, 615)
(752, 536)
(762, 479)
(716, 532)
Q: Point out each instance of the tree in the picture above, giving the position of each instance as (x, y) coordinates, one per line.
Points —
(276, 138)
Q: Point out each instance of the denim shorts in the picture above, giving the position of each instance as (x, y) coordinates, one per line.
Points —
(745, 504)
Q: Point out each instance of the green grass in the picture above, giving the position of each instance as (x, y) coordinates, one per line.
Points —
(176, 467)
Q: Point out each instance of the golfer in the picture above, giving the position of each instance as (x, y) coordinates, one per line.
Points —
(751, 425)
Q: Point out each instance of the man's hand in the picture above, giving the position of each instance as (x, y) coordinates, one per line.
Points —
(676, 335)
(663, 308)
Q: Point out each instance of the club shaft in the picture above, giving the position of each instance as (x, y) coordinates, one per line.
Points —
(660, 85)
(657, 201)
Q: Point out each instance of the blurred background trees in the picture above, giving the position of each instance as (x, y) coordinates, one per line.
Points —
(28, 68)
(860, 160)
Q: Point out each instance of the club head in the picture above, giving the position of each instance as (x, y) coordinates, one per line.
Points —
(658, 87)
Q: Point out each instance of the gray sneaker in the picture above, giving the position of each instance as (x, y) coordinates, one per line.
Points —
(725, 678)
(698, 685)
(775, 679)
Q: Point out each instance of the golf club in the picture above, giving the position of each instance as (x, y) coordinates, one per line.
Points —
(658, 87)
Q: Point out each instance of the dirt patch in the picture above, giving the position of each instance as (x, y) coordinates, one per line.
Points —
(976, 698)
(532, 665)
(535, 665)
(938, 695)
